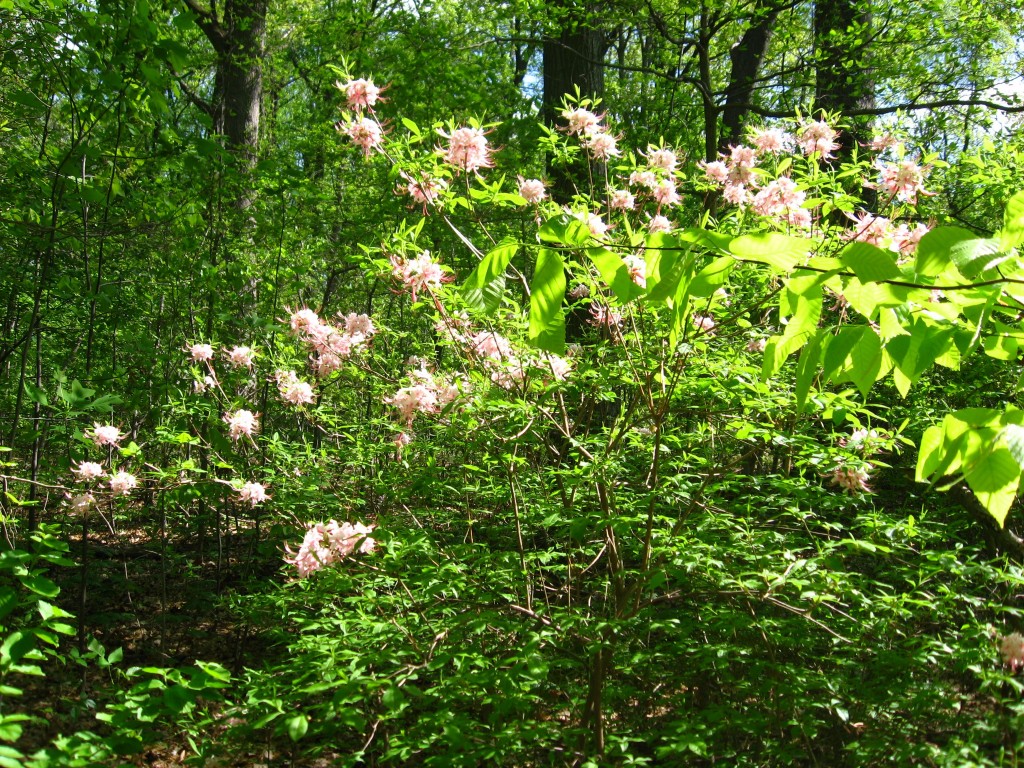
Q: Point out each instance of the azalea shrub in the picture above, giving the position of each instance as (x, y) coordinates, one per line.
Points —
(597, 485)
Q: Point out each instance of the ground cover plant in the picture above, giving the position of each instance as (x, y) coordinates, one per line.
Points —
(588, 453)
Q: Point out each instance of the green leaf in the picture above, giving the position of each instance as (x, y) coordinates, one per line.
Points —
(547, 318)
(1012, 233)
(869, 262)
(933, 252)
(975, 256)
(712, 277)
(41, 585)
(8, 600)
(994, 475)
(564, 229)
(485, 285)
(779, 251)
(615, 274)
(297, 727)
(15, 647)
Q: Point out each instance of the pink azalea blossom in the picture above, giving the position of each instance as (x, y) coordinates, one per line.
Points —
(579, 291)
(906, 239)
(882, 142)
(203, 384)
(646, 179)
(81, 502)
(360, 327)
(1011, 648)
(532, 190)
(665, 193)
(88, 470)
(601, 145)
(581, 121)
(903, 180)
(601, 315)
(241, 422)
(201, 353)
(868, 228)
(659, 224)
(621, 200)
(365, 133)
(778, 198)
(704, 323)
(241, 357)
(360, 94)
(818, 137)
(424, 191)
(292, 389)
(662, 159)
(253, 494)
(757, 346)
(637, 267)
(468, 150)
(851, 479)
(304, 321)
(409, 401)
(559, 366)
(420, 273)
(326, 363)
(104, 435)
(123, 483)
(742, 157)
(771, 141)
(716, 171)
(491, 345)
(328, 543)
(598, 227)
(736, 194)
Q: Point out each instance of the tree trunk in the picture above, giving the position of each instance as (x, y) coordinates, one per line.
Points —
(745, 58)
(844, 77)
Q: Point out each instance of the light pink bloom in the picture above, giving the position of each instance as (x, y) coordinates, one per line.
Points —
(88, 470)
(578, 291)
(365, 133)
(659, 224)
(903, 180)
(409, 401)
(621, 200)
(662, 159)
(875, 230)
(253, 494)
(778, 198)
(771, 141)
(240, 357)
(851, 479)
(757, 346)
(1011, 648)
(531, 190)
(646, 179)
(601, 145)
(304, 321)
(637, 267)
(581, 120)
(704, 323)
(326, 363)
(360, 327)
(295, 391)
(360, 93)
(421, 273)
(424, 191)
(906, 239)
(736, 194)
(882, 142)
(742, 156)
(818, 137)
(201, 385)
(104, 435)
(242, 422)
(201, 353)
(491, 345)
(665, 193)
(468, 150)
(716, 171)
(123, 483)
(559, 366)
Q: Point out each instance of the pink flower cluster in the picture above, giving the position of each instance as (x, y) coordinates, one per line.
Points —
(123, 483)
(359, 94)
(418, 274)
(104, 434)
(782, 199)
(879, 231)
(241, 357)
(253, 494)
(532, 190)
(593, 136)
(365, 133)
(424, 191)
(330, 345)
(242, 422)
(903, 180)
(88, 471)
(818, 137)
(327, 543)
(467, 149)
(851, 479)
(1011, 648)
(427, 394)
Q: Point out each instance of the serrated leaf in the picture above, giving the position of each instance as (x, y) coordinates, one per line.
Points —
(975, 256)
(994, 475)
(933, 252)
